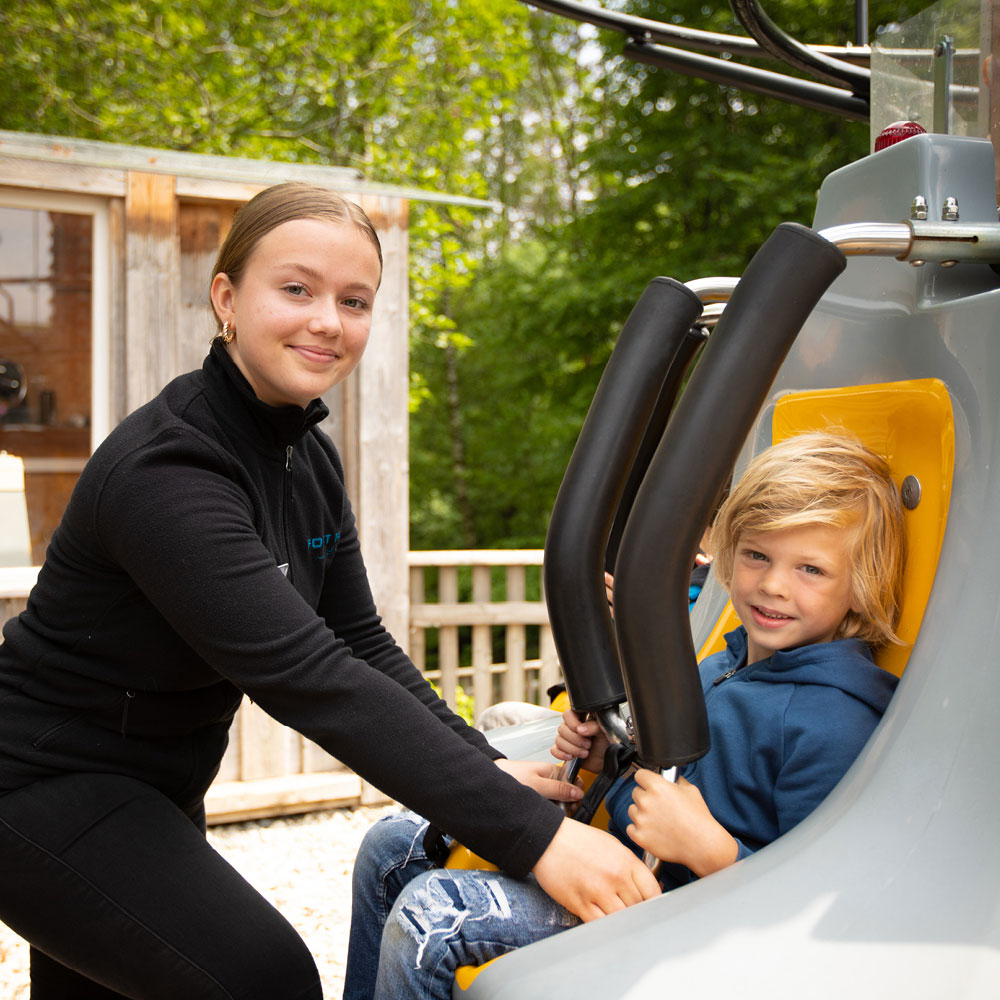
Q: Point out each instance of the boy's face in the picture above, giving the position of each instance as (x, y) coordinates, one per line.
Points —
(791, 587)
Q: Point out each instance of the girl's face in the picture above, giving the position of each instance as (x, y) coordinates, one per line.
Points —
(791, 587)
(302, 310)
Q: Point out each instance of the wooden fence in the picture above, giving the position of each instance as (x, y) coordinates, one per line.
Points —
(481, 626)
(467, 608)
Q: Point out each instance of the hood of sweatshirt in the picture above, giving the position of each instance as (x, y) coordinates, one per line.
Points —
(844, 664)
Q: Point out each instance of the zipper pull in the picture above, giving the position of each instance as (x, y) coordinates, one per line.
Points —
(288, 458)
(129, 695)
(724, 677)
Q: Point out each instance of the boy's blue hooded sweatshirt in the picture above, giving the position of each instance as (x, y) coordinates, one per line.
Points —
(784, 731)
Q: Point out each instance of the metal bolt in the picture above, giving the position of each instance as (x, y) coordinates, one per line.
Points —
(917, 263)
(949, 211)
(918, 210)
(909, 492)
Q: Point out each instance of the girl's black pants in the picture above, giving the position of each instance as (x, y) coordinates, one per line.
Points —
(120, 895)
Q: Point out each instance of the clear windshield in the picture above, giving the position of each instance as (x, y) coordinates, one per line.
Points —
(940, 69)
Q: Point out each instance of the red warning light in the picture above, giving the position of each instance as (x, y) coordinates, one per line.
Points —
(897, 132)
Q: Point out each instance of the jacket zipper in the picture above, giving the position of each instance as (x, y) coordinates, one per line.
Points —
(129, 695)
(289, 496)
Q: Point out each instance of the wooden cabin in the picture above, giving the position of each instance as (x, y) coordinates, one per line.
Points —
(105, 259)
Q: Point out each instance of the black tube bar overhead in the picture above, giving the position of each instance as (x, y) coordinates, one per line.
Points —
(861, 22)
(652, 42)
(643, 28)
(790, 89)
(782, 46)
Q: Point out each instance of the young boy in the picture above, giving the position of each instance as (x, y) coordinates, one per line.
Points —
(810, 545)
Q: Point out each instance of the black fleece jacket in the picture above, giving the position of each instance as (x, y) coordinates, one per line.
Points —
(209, 550)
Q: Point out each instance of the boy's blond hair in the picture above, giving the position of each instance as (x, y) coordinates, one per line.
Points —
(826, 478)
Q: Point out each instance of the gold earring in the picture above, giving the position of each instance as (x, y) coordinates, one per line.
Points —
(227, 333)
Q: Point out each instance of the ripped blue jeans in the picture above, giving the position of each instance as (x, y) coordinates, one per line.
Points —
(413, 925)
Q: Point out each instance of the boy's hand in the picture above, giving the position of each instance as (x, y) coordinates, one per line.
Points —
(591, 873)
(673, 822)
(576, 738)
(543, 778)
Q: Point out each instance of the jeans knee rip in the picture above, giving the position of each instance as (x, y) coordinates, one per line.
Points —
(440, 905)
(418, 839)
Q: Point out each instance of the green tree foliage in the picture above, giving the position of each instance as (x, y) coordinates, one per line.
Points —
(321, 80)
(673, 176)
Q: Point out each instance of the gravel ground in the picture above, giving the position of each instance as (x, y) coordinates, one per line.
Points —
(302, 864)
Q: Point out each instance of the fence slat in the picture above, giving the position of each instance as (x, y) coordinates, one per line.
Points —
(448, 637)
(482, 644)
(315, 758)
(515, 645)
(418, 634)
(476, 557)
(263, 745)
(478, 613)
(549, 673)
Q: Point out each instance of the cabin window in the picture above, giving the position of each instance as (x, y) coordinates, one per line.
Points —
(53, 390)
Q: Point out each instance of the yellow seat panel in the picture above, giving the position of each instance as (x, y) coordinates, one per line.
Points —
(560, 702)
(459, 856)
(911, 424)
(465, 974)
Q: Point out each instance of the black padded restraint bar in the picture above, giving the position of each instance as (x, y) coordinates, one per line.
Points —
(592, 485)
(692, 464)
(654, 431)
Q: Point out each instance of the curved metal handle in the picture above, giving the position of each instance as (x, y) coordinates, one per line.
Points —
(692, 464)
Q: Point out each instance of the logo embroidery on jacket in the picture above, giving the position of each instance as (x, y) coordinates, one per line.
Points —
(323, 546)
